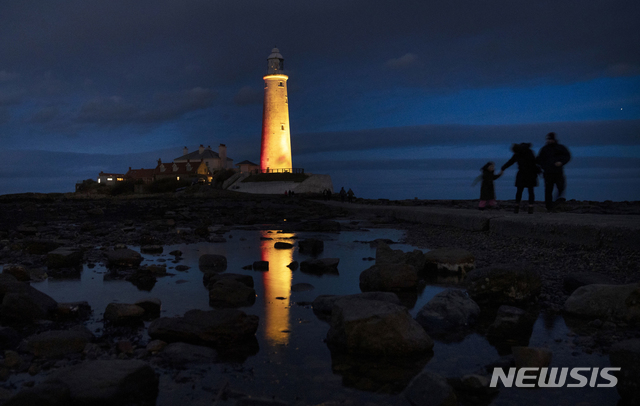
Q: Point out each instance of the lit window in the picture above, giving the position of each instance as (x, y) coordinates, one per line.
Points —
(98, 180)
(109, 179)
(177, 177)
(120, 179)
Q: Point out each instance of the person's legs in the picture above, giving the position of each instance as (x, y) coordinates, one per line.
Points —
(492, 203)
(561, 183)
(519, 191)
(482, 204)
(548, 192)
(532, 198)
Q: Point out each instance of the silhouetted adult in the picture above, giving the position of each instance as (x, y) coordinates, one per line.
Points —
(350, 195)
(552, 158)
(527, 176)
(343, 194)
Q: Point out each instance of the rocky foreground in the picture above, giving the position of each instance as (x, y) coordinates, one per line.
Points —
(498, 286)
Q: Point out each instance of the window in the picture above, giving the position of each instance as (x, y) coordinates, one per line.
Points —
(177, 177)
(109, 179)
(282, 127)
(281, 85)
(120, 179)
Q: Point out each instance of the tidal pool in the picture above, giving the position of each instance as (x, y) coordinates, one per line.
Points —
(293, 362)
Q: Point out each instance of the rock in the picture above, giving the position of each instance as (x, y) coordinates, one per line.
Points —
(626, 356)
(323, 304)
(44, 394)
(386, 255)
(220, 327)
(176, 253)
(282, 245)
(151, 306)
(18, 271)
(9, 338)
(155, 346)
(229, 292)
(293, 265)
(320, 225)
(320, 266)
(249, 401)
(510, 321)
(122, 314)
(449, 260)
(201, 231)
(182, 268)
(261, 266)
(151, 249)
(576, 280)
(73, 311)
(212, 262)
(606, 302)
(58, 343)
(124, 347)
(209, 278)
(530, 357)
(22, 302)
(12, 359)
(64, 257)
(389, 277)
(372, 327)
(311, 246)
(123, 258)
(430, 389)
(41, 247)
(302, 287)
(447, 312)
(109, 382)
(503, 284)
(180, 354)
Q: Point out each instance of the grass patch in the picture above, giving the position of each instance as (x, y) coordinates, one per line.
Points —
(277, 177)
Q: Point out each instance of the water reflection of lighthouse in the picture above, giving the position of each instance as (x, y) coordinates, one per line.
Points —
(277, 284)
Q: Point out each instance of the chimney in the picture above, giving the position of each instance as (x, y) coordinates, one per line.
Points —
(201, 149)
(222, 152)
(159, 161)
(185, 151)
(209, 147)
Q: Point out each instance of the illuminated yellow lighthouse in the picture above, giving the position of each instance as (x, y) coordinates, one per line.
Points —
(275, 154)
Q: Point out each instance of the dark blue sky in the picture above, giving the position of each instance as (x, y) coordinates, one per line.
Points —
(396, 99)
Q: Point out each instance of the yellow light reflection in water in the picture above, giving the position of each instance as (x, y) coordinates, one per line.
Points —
(277, 283)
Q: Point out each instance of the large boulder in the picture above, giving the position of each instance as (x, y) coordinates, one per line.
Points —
(373, 327)
(449, 311)
(64, 257)
(576, 280)
(503, 284)
(606, 302)
(210, 278)
(18, 271)
(180, 354)
(531, 357)
(311, 246)
(58, 343)
(430, 389)
(221, 327)
(323, 304)
(109, 382)
(229, 292)
(22, 302)
(449, 260)
(123, 314)
(509, 322)
(389, 277)
(386, 255)
(320, 266)
(151, 306)
(626, 356)
(212, 262)
(123, 257)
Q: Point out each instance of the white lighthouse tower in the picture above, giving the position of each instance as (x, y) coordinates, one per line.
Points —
(275, 153)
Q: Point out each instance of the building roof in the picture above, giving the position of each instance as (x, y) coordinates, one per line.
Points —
(181, 168)
(111, 174)
(275, 53)
(245, 162)
(197, 156)
(140, 173)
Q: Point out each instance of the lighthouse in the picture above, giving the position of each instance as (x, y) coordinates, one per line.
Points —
(275, 153)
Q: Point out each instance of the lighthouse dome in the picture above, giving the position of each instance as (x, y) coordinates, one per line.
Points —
(275, 53)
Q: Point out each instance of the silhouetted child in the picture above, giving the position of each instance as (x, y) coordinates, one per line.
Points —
(487, 191)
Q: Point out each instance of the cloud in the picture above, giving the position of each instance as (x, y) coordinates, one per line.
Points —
(45, 115)
(116, 110)
(402, 62)
(246, 96)
(570, 133)
(10, 97)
